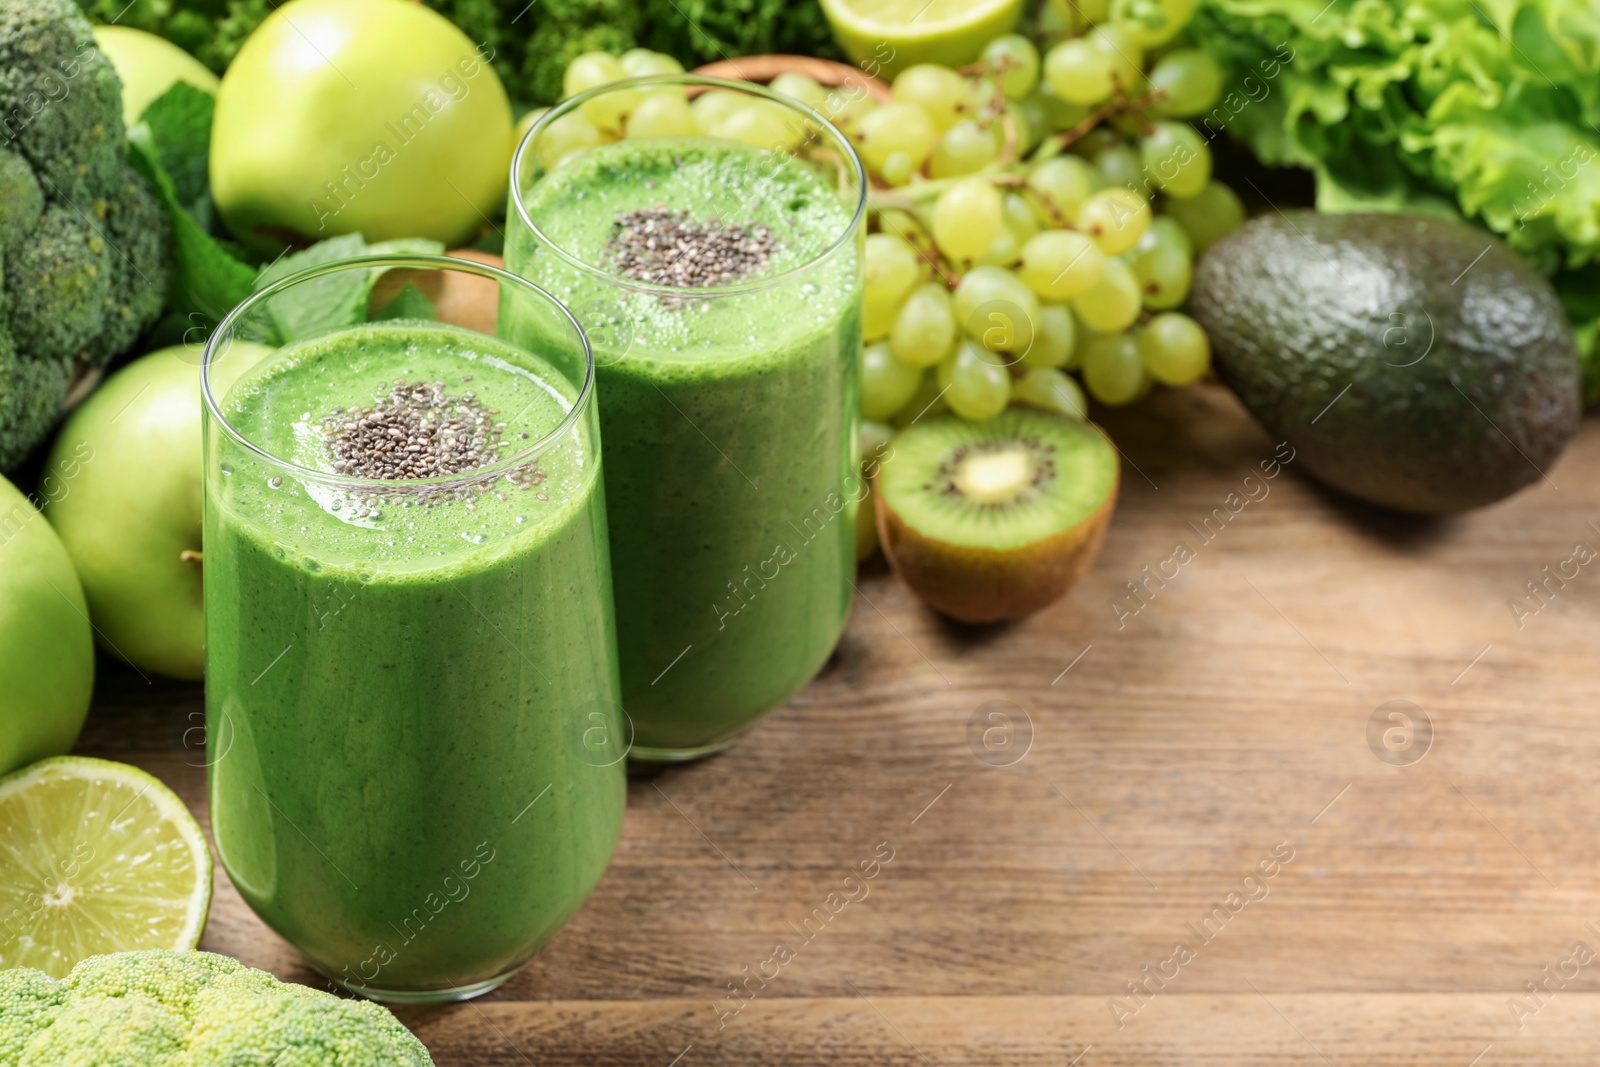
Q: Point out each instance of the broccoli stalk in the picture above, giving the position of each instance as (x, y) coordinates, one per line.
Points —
(83, 244)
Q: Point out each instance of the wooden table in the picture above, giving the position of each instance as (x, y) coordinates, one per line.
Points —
(1170, 756)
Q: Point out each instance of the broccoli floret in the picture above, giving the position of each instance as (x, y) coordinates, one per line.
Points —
(160, 1008)
(31, 391)
(84, 248)
(58, 282)
(21, 199)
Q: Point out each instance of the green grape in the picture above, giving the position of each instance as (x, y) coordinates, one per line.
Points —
(662, 115)
(1058, 114)
(1209, 215)
(1190, 82)
(1019, 219)
(1061, 185)
(896, 127)
(764, 124)
(1122, 52)
(1005, 251)
(926, 403)
(1112, 368)
(886, 383)
(1079, 72)
(925, 328)
(1120, 164)
(897, 169)
(1113, 304)
(890, 271)
(940, 92)
(1152, 22)
(565, 135)
(1094, 142)
(1075, 14)
(965, 148)
(1061, 264)
(1115, 218)
(967, 218)
(976, 385)
(1176, 158)
(847, 107)
(1175, 350)
(1055, 338)
(802, 88)
(995, 309)
(711, 109)
(593, 69)
(1056, 19)
(1166, 230)
(1164, 274)
(641, 63)
(1052, 391)
(1027, 133)
(1014, 62)
(907, 226)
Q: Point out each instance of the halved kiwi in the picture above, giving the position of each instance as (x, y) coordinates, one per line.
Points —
(993, 520)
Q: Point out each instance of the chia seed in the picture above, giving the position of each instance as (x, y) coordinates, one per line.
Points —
(419, 430)
(659, 246)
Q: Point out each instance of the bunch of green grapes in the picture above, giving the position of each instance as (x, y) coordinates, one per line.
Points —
(1036, 216)
(1042, 215)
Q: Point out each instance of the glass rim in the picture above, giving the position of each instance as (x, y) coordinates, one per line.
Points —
(421, 261)
(567, 106)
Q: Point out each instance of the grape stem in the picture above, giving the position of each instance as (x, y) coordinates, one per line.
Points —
(1114, 109)
(910, 197)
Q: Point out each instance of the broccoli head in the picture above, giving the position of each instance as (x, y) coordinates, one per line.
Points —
(84, 245)
(159, 1008)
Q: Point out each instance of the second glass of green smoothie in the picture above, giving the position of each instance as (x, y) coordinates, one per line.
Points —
(713, 253)
(414, 742)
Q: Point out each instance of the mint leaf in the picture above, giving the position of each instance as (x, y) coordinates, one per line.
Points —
(332, 301)
(409, 303)
(207, 280)
(180, 127)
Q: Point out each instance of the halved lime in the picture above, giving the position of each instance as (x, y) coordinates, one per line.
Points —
(887, 36)
(96, 857)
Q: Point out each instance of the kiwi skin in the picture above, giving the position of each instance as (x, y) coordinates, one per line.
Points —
(983, 585)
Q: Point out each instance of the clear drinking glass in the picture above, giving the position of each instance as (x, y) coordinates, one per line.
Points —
(729, 408)
(414, 742)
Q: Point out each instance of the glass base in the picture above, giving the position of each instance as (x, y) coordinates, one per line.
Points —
(645, 757)
(448, 994)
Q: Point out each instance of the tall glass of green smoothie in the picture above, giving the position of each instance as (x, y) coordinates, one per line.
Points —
(414, 736)
(713, 252)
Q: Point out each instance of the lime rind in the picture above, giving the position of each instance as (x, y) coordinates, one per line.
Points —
(96, 857)
(896, 34)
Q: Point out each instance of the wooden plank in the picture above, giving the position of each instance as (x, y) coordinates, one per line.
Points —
(1171, 746)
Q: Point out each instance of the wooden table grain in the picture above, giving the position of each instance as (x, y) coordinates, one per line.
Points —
(1179, 843)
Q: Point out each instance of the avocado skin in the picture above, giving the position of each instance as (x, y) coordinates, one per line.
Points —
(1300, 305)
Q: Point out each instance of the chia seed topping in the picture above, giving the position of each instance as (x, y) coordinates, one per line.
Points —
(418, 430)
(659, 246)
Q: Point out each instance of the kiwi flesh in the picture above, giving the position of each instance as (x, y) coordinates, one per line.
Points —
(993, 520)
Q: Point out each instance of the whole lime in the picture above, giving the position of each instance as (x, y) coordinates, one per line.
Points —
(46, 651)
(376, 117)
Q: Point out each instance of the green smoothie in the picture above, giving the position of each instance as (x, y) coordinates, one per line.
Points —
(403, 687)
(729, 421)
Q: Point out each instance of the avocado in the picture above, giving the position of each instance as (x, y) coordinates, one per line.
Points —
(1414, 362)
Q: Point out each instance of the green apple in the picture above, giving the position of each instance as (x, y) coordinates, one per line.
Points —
(376, 117)
(126, 503)
(148, 66)
(46, 651)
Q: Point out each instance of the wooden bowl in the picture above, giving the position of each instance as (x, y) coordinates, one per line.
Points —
(762, 69)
